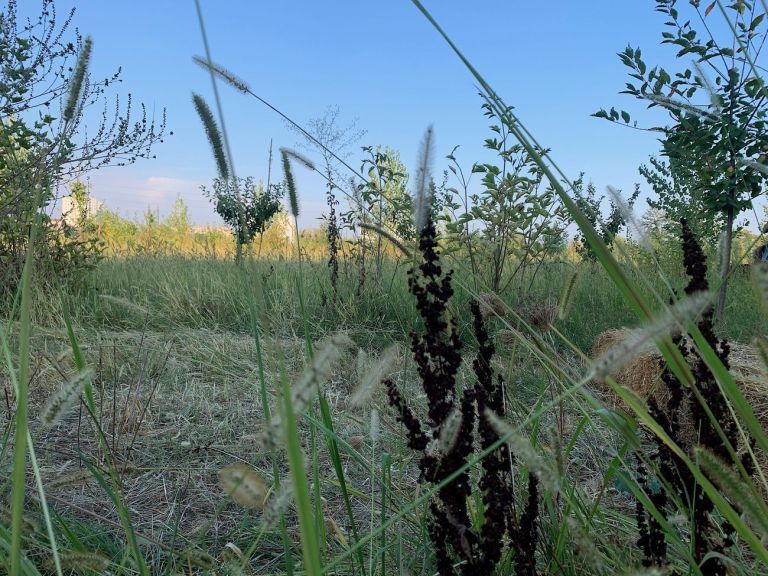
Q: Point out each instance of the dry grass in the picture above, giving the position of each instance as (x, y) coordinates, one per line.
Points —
(186, 406)
(642, 375)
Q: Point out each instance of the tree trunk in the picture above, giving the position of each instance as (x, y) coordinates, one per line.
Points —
(725, 266)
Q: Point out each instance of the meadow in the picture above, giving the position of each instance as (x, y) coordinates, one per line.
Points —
(425, 385)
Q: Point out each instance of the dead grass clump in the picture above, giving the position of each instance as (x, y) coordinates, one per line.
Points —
(642, 374)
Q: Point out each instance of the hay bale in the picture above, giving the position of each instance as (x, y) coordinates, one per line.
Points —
(643, 374)
(640, 375)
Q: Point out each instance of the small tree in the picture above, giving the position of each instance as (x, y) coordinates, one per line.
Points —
(717, 130)
(385, 198)
(245, 207)
(515, 220)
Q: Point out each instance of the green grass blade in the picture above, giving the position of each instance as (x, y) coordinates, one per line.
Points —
(310, 543)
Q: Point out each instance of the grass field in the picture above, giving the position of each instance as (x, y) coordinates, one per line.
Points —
(176, 382)
(168, 412)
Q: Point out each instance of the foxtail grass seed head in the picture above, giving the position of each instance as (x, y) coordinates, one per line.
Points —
(74, 478)
(58, 404)
(522, 448)
(228, 77)
(641, 339)
(744, 497)
(375, 374)
(449, 432)
(636, 228)
(714, 98)
(277, 504)
(125, 303)
(304, 389)
(361, 363)
(760, 274)
(244, 485)
(761, 345)
(232, 549)
(288, 155)
(584, 546)
(290, 183)
(213, 133)
(566, 298)
(760, 167)
(422, 201)
(77, 80)
(332, 528)
(375, 425)
(397, 242)
(85, 562)
(680, 106)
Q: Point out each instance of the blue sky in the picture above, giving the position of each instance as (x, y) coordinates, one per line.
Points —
(385, 67)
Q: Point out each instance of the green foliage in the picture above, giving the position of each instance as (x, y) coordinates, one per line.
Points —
(245, 207)
(609, 225)
(515, 220)
(716, 137)
(39, 149)
(385, 196)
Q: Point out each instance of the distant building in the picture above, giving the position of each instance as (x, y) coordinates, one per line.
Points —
(70, 211)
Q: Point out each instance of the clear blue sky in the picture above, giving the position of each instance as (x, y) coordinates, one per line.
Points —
(384, 66)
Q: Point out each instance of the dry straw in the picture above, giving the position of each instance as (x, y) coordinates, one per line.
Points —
(491, 305)
(642, 374)
(639, 340)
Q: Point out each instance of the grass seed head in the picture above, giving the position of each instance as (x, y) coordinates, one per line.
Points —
(449, 432)
(228, 77)
(213, 133)
(88, 562)
(58, 404)
(244, 485)
(566, 299)
(77, 80)
(374, 375)
(421, 201)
